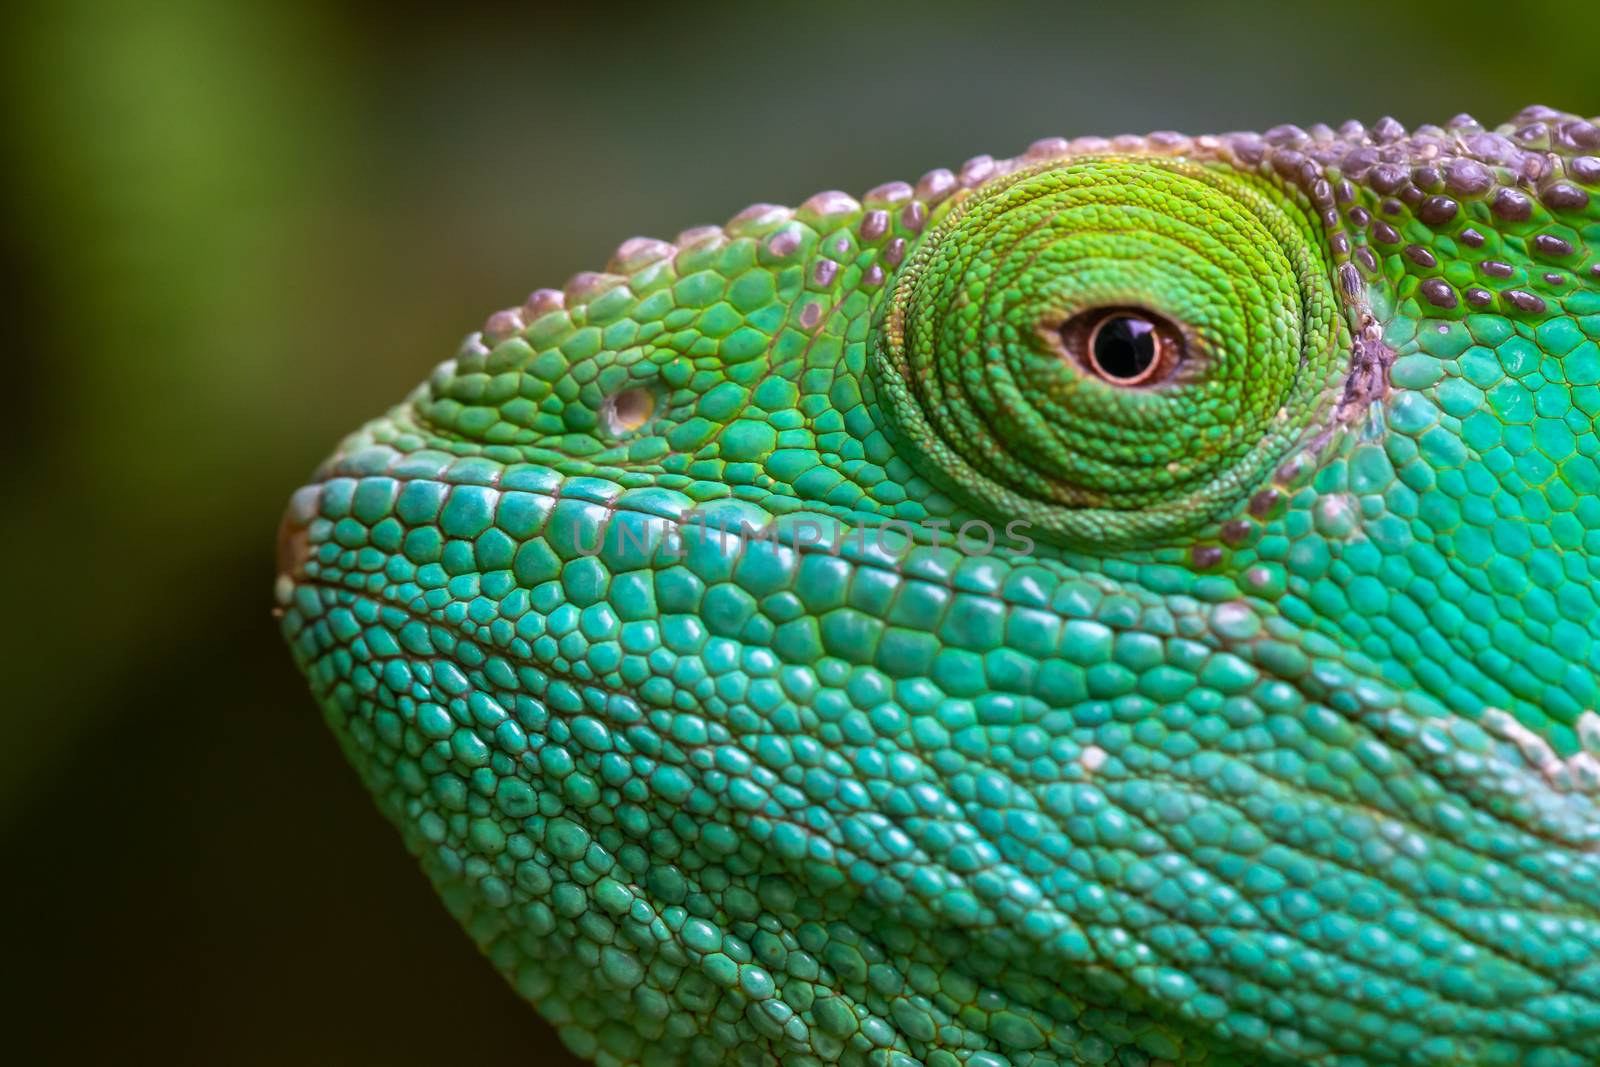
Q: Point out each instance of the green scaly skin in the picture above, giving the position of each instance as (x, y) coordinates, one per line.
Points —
(1266, 735)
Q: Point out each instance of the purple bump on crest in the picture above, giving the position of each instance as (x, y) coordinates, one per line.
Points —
(894, 251)
(1523, 300)
(1495, 269)
(1359, 216)
(1247, 148)
(1321, 193)
(1511, 205)
(1464, 121)
(914, 216)
(1391, 206)
(540, 301)
(874, 224)
(1236, 531)
(648, 249)
(503, 324)
(1491, 148)
(823, 272)
(1367, 260)
(757, 215)
(1468, 177)
(1327, 153)
(1386, 178)
(637, 252)
(1478, 297)
(1534, 135)
(1386, 130)
(1358, 163)
(829, 203)
(873, 277)
(936, 185)
(888, 193)
(1385, 234)
(1585, 169)
(1284, 135)
(1339, 242)
(588, 284)
(1438, 293)
(976, 170)
(1564, 196)
(1205, 556)
(1551, 246)
(1047, 148)
(700, 236)
(810, 314)
(1554, 279)
(1344, 192)
(1471, 238)
(1420, 256)
(1426, 176)
(1579, 134)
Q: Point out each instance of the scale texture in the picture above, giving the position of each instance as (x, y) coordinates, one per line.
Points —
(781, 647)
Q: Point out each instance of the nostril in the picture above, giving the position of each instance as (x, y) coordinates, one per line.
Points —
(628, 410)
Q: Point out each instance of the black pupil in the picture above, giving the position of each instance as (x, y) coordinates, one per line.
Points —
(1124, 347)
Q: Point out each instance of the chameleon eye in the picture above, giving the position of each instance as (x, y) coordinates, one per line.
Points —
(1111, 348)
(628, 410)
(1123, 346)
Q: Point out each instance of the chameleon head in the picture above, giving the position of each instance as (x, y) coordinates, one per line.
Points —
(1136, 602)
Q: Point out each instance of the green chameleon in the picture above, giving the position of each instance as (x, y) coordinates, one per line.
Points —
(1133, 603)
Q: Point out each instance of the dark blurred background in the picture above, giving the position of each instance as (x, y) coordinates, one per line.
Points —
(237, 230)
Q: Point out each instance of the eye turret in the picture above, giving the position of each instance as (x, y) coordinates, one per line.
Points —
(1111, 348)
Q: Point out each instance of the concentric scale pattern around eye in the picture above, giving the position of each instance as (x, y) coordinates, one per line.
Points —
(971, 374)
(803, 643)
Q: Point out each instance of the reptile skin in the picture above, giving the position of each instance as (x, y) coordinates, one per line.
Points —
(1244, 715)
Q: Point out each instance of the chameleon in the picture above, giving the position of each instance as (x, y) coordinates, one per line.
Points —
(1135, 602)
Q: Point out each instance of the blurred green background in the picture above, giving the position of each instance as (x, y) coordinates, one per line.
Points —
(238, 230)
